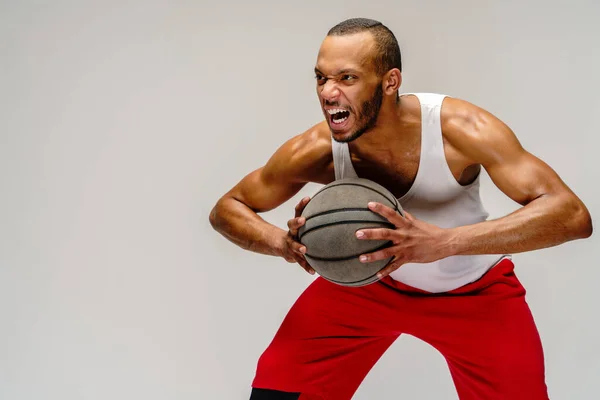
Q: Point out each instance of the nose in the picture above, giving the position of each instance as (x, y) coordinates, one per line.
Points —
(330, 91)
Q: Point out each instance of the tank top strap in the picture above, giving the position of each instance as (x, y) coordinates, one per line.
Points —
(432, 141)
(342, 162)
(433, 167)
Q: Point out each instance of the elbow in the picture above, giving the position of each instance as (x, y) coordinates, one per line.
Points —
(587, 226)
(582, 222)
(213, 217)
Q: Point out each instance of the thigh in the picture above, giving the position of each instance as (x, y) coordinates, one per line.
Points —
(491, 343)
(329, 340)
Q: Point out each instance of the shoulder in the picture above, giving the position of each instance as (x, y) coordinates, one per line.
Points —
(312, 145)
(461, 117)
(474, 131)
(304, 157)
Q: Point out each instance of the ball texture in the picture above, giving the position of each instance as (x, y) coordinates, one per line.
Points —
(333, 215)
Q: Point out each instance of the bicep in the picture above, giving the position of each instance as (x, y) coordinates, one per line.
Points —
(486, 140)
(522, 176)
(300, 160)
(261, 190)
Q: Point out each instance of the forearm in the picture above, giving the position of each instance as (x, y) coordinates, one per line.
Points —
(545, 222)
(245, 228)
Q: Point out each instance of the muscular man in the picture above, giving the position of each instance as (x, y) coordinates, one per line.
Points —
(452, 281)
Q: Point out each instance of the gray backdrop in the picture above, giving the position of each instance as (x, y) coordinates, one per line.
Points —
(122, 122)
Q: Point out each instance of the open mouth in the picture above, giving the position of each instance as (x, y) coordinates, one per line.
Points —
(338, 116)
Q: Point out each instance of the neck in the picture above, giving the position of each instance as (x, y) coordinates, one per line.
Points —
(391, 128)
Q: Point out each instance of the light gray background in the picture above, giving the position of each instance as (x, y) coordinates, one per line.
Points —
(122, 122)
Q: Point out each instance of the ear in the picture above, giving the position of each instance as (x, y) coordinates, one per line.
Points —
(392, 81)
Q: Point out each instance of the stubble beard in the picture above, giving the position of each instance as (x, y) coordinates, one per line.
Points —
(367, 117)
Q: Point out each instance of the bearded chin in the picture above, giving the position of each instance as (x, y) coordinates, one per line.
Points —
(367, 117)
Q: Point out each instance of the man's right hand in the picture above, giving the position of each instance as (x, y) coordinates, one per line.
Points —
(292, 250)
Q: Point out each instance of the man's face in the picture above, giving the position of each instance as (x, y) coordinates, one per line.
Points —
(349, 89)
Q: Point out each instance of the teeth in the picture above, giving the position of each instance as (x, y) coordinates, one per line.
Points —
(335, 111)
(339, 121)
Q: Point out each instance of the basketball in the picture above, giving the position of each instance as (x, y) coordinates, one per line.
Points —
(333, 215)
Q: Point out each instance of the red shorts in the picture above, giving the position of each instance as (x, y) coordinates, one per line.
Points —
(333, 335)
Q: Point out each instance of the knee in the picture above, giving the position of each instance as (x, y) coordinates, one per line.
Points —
(271, 359)
(275, 369)
(269, 374)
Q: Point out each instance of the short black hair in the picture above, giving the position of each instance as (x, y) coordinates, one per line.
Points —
(388, 51)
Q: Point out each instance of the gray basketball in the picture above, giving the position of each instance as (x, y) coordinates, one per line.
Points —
(333, 215)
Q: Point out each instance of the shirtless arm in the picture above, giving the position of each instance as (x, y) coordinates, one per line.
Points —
(302, 159)
(551, 213)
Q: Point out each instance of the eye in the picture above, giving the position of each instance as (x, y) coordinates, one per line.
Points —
(348, 78)
(319, 78)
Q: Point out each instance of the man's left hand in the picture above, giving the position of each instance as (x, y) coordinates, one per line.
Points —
(412, 240)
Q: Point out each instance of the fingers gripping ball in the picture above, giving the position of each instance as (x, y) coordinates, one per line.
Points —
(333, 216)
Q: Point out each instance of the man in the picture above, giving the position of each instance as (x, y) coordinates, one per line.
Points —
(451, 282)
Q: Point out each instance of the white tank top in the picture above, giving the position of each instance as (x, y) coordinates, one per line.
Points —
(435, 197)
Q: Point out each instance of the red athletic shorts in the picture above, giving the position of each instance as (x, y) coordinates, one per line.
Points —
(333, 335)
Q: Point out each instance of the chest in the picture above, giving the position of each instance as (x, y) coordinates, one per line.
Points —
(397, 174)
(397, 168)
